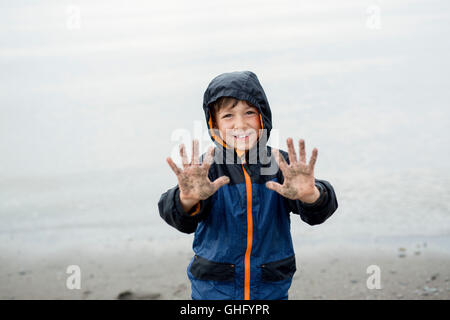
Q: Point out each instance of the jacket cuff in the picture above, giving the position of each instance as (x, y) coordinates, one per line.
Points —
(320, 201)
(195, 209)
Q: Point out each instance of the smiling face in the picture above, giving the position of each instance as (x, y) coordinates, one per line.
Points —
(238, 124)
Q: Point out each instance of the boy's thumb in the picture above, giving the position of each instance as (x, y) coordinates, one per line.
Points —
(219, 182)
(275, 186)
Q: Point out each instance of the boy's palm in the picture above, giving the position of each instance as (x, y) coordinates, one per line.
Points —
(193, 180)
(298, 175)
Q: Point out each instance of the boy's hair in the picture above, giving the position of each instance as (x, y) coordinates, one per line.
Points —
(223, 102)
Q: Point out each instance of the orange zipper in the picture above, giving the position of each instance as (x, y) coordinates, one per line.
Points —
(248, 186)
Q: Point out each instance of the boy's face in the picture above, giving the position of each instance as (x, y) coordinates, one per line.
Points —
(239, 125)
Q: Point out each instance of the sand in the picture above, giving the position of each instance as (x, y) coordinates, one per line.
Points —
(323, 272)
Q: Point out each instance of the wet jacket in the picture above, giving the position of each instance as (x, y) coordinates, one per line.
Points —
(242, 244)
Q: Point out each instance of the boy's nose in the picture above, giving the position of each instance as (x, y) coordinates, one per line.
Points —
(239, 123)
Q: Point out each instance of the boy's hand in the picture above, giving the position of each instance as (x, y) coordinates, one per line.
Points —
(298, 175)
(193, 181)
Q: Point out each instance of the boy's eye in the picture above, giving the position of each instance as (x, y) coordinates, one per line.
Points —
(250, 112)
(226, 115)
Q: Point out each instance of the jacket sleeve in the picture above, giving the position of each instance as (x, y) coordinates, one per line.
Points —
(171, 210)
(319, 211)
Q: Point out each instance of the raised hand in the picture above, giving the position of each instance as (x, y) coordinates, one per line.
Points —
(298, 175)
(193, 180)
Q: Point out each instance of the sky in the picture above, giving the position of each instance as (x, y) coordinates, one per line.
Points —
(105, 85)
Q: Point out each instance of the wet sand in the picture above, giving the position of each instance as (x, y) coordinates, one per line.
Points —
(323, 272)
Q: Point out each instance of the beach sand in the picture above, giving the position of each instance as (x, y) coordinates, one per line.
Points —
(323, 272)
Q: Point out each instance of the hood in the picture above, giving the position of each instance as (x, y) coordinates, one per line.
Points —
(242, 85)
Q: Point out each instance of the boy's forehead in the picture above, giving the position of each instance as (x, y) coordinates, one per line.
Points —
(232, 105)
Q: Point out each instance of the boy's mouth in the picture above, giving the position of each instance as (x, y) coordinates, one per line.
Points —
(241, 137)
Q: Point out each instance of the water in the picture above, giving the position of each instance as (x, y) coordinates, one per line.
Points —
(87, 113)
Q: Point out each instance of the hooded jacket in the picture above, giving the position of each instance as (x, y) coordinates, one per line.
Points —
(242, 244)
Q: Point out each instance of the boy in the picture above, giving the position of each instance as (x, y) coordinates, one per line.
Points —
(239, 209)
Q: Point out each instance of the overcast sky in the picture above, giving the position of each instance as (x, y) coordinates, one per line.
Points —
(102, 85)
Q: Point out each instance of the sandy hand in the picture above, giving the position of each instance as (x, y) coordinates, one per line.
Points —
(193, 180)
(298, 175)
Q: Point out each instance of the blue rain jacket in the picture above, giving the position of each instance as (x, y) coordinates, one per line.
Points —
(243, 247)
